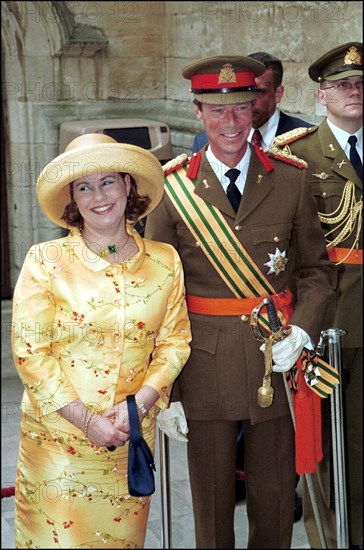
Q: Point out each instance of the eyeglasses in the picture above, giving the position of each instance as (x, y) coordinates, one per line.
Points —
(345, 86)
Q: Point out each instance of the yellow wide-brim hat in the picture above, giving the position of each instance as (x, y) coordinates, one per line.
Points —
(92, 154)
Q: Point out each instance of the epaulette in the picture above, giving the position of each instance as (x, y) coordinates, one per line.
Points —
(175, 164)
(292, 135)
(284, 154)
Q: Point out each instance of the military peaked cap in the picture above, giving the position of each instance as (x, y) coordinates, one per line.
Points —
(341, 62)
(224, 79)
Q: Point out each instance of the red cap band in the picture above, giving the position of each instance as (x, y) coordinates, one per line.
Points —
(213, 81)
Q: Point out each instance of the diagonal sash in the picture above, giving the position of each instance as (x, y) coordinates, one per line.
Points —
(217, 240)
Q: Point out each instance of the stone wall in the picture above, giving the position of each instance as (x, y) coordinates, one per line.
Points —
(90, 60)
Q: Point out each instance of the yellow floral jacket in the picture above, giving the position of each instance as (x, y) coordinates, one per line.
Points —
(84, 328)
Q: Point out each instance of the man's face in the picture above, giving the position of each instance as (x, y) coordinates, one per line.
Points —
(264, 105)
(344, 103)
(227, 128)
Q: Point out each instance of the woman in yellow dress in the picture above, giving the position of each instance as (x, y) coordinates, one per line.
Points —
(97, 315)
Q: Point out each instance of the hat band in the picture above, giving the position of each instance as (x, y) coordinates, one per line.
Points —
(216, 81)
(345, 69)
(223, 90)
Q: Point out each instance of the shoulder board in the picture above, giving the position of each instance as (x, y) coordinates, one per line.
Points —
(292, 135)
(284, 154)
(175, 164)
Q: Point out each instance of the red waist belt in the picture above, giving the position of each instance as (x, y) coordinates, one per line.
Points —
(349, 256)
(238, 306)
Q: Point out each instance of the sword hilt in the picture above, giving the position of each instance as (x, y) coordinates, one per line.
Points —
(278, 332)
(275, 325)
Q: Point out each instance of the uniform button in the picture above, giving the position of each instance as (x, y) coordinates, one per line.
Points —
(244, 318)
(324, 194)
(237, 227)
(197, 243)
(276, 239)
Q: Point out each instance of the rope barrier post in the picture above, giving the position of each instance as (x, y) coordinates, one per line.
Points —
(333, 336)
(166, 529)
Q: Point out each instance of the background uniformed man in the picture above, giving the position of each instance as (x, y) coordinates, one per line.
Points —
(336, 173)
(276, 218)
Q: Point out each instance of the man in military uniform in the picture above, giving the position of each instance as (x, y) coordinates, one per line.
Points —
(268, 121)
(236, 216)
(334, 152)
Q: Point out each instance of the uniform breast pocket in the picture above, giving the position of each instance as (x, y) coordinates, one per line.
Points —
(266, 239)
(328, 195)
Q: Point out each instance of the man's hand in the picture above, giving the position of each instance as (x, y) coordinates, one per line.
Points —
(286, 352)
(172, 421)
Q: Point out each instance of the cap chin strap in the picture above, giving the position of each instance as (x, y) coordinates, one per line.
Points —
(223, 90)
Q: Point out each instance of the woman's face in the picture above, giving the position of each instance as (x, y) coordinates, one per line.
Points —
(101, 199)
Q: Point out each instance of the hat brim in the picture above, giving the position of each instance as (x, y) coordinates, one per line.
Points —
(226, 98)
(53, 189)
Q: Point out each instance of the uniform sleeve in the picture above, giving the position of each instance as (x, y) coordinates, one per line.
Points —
(160, 226)
(172, 348)
(312, 271)
(32, 327)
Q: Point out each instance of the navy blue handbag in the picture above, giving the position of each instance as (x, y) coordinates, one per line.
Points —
(140, 459)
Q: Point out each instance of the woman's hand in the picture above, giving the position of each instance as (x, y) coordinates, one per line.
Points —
(99, 428)
(118, 414)
(103, 432)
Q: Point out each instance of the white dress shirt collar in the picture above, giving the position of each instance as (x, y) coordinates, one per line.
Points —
(220, 169)
(342, 138)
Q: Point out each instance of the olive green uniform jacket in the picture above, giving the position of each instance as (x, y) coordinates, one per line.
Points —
(328, 171)
(277, 210)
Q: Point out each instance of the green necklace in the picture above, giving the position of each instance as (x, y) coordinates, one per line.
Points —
(111, 249)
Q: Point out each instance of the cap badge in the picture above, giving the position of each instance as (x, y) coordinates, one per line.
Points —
(227, 74)
(352, 57)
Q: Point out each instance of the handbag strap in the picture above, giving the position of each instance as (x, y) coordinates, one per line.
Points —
(135, 436)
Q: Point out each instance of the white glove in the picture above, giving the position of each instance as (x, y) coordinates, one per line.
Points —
(286, 352)
(173, 422)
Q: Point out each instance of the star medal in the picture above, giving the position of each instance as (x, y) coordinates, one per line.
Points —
(277, 262)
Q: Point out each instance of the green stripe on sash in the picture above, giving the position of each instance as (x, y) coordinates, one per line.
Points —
(201, 219)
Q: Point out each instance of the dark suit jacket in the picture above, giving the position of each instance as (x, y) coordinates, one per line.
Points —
(286, 123)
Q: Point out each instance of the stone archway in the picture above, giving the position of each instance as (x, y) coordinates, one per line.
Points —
(38, 38)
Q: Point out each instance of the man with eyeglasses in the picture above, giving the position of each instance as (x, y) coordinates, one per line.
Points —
(334, 153)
